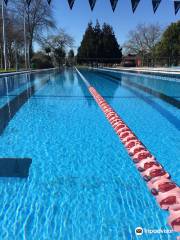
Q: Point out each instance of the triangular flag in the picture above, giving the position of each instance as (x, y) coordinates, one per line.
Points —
(114, 4)
(134, 4)
(176, 6)
(28, 2)
(92, 4)
(155, 4)
(49, 2)
(6, 1)
(71, 3)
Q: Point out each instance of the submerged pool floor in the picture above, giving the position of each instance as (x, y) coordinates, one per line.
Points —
(82, 184)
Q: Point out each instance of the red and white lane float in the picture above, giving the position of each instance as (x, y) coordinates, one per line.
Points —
(166, 192)
(174, 218)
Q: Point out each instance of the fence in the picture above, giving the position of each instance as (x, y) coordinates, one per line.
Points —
(101, 62)
(130, 62)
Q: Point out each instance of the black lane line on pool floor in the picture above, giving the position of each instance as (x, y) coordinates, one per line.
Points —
(164, 112)
(8, 111)
(81, 97)
(155, 93)
(15, 167)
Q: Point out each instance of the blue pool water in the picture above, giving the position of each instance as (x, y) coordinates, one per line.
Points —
(82, 183)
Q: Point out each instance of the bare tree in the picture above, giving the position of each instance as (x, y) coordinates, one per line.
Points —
(60, 39)
(38, 16)
(143, 39)
(14, 39)
(57, 45)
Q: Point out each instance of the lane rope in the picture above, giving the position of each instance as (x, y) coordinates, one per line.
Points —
(165, 191)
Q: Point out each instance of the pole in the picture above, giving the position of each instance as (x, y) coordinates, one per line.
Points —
(25, 42)
(4, 36)
(28, 56)
(16, 58)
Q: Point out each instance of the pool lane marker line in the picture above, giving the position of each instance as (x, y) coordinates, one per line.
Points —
(166, 192)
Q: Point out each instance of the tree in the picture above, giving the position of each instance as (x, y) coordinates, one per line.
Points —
(57, 45)
(59, 39)
(59, 54)
(47, 50)
(143, 39)
(38, 17)
(41, 60)
(110, 46)
(86, 49)
(169, 45)
(71, 54)
(70, 57)
(14, 39)
(99, 44)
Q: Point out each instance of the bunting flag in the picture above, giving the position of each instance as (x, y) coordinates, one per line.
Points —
(71, 3)
(134, 4)
(92, 4)
(176, 6)
(155, 4)
(113, 4)
(28, 2)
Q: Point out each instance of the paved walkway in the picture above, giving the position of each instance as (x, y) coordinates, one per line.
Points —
(175, 70)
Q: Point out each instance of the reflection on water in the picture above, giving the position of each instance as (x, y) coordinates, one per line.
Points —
(173, 101)
(165, 90)
(16, 90)
(85, 91)
(169, 88)
(15, 84)
(17, 93)
(9, 84)
(109, 87)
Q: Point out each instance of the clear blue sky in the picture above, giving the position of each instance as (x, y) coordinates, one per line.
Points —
(75, 21)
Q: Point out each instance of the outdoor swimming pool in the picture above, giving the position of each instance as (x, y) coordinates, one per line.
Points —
(82, 183)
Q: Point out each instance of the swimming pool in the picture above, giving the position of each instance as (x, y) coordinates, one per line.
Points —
(82, 183)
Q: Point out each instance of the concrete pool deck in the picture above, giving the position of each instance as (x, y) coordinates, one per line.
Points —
(149, 70)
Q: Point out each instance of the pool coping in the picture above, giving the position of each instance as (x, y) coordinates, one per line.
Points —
(7, 74)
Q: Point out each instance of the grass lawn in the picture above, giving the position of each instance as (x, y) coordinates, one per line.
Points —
(8, 70)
